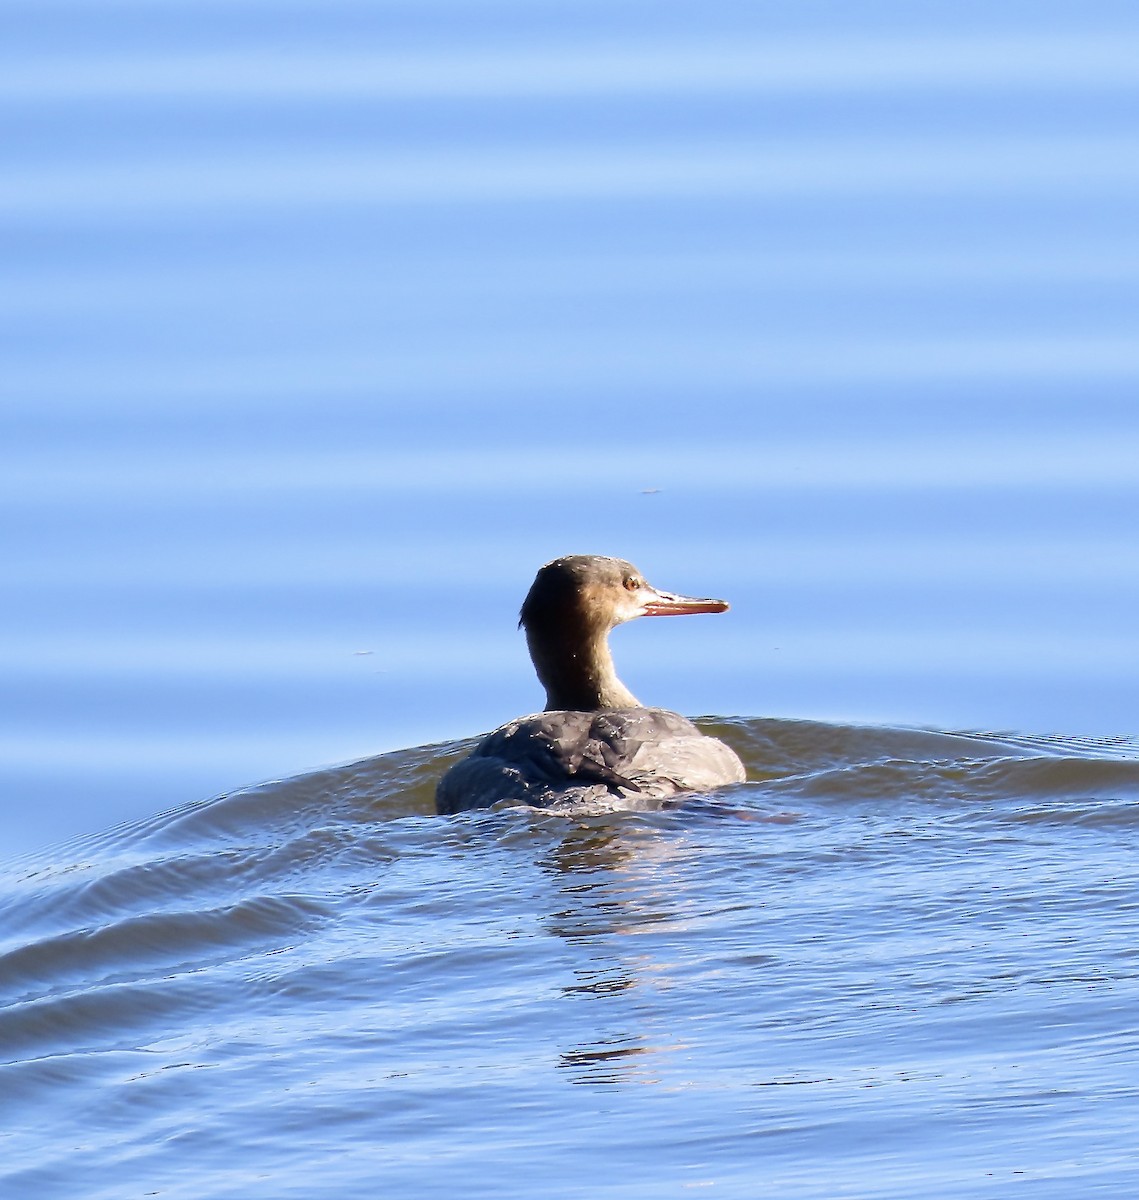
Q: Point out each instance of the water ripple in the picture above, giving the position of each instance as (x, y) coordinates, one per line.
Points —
(322, 954)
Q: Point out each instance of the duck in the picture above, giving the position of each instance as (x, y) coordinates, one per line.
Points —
(595, 747)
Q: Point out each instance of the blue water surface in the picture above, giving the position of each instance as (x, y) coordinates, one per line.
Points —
(323, 326)
(327, 324)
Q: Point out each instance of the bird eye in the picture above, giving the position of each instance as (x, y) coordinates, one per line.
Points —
(632, 583)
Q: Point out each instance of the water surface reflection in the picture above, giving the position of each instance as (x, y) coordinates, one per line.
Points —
(621, 884)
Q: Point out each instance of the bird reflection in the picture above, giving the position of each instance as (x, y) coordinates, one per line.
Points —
(610, 1062)
(616, 886)
(605, 982)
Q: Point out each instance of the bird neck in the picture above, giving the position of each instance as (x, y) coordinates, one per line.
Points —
(578, 673)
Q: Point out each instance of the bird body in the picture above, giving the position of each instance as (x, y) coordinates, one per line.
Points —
(595, 744)
(584, 760)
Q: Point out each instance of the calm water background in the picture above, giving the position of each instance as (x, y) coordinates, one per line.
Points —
(322, 327)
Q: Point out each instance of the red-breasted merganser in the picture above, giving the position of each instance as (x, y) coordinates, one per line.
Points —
(595, 743)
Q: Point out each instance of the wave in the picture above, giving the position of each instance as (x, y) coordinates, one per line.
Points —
(325, 953)
(112, 932)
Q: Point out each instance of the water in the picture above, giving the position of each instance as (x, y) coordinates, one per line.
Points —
(895, 963)
(322, 327)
